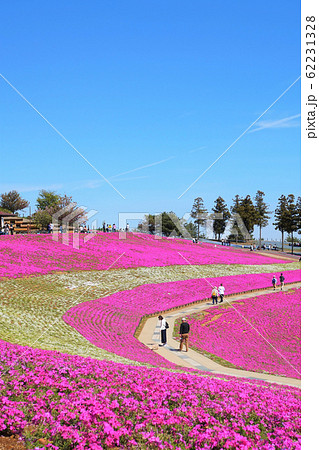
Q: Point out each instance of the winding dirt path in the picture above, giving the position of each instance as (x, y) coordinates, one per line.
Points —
(150, 336)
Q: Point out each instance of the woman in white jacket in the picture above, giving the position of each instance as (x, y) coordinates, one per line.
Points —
(163, 330)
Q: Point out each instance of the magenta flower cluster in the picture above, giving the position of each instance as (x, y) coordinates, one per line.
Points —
(68, 402)
(276, 321)
(110, 322)
(40, 254)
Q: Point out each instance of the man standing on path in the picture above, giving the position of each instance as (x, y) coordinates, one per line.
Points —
(214, 295)
(163, 330)
(184, 332)
(221, 291)
(282, 281)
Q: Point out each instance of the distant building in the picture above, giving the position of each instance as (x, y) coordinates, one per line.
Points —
(20, 224)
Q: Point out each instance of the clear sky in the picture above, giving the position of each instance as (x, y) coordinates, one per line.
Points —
(134, 83)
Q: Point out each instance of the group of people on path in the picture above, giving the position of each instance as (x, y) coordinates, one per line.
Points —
(7, 229)
(108, 228)
(185, 328)
(183, 332)
(281, 279)
(220, 291)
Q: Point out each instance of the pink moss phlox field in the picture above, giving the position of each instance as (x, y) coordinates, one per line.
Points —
(40, 254)
(276, 316)
(81, 403)
(110, 322)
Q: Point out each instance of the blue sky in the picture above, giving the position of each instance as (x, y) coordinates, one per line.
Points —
(131, 84)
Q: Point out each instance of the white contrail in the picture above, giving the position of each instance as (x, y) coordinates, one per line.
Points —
(281, 123)
(143, 167)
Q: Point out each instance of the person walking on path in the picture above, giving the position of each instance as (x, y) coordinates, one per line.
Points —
(184, 333)
(282, 281)
(221, 291)
(274, 281)
(163, 327)
(214, 295)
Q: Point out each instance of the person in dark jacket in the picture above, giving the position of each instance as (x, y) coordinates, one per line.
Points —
(282, 281)
(184, 332)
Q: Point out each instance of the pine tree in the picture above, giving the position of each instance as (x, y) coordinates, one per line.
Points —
(292, 223)
(237, 201)
(281, 217)
(199, 213)
(235, 210)
(219, 225)
(298, 204)
(262, 212)
(247, 212)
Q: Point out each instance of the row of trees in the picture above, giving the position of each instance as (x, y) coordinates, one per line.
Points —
(253, 213)
(288, 216)
(169, 224)
(48, 203)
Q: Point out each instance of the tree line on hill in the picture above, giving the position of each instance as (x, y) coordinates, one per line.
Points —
(253, 212)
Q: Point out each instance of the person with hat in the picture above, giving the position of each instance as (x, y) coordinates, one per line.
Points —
(214, 295)
(184, 333)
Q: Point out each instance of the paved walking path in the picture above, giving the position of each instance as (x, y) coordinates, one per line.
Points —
(279, 255)
(150, 335)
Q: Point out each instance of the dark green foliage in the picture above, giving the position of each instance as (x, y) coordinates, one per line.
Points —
(262, 212)
(219, 225)
(199, 213)
(47, 199)
(288, 216)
